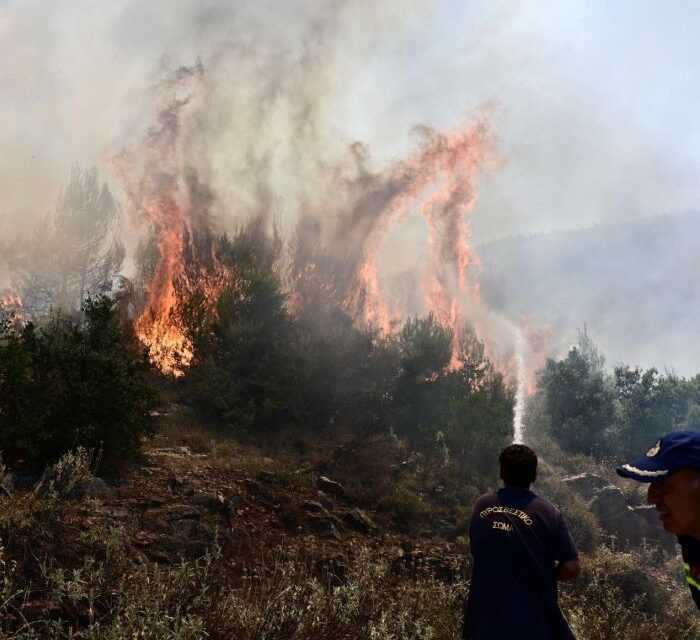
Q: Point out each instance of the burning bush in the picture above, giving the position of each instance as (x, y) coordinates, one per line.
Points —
(69, 384)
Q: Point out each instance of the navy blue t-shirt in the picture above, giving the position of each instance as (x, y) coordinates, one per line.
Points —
(516, 540)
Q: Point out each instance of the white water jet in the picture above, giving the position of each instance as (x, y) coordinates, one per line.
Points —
(521, 388)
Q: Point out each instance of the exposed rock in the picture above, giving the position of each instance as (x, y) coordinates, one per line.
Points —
(654, 529)
(357, 519)
(585, 484)
(314, 507)
(630, 526)
(649, 514)
(91, 488)
(175, 452)
(7, 483)
(305, 468)
(113, 513)
(330, 486)
(616, 517)
(327, 526)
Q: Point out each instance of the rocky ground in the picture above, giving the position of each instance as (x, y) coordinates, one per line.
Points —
(181, 502)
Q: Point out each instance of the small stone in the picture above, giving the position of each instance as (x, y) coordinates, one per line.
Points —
(314, 507)
(330, 486)
(360, 521)
(267, 476)
(91, 488)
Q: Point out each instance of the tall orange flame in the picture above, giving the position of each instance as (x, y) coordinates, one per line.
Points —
(439, 180)
(11, 303)
(154, 181)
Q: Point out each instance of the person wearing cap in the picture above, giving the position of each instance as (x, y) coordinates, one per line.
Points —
(672, 469)
(521, 546)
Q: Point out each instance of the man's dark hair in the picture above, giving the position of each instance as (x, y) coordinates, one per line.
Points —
(518, 465)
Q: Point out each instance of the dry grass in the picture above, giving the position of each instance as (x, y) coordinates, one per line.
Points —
(279, 596)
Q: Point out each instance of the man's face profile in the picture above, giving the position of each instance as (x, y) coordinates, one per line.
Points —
(677, 498)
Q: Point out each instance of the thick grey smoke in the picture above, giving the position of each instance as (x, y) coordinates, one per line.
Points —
(592, 106)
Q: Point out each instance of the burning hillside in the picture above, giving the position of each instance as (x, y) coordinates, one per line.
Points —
(437, 182)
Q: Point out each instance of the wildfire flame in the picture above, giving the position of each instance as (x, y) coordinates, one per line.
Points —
(439, 180)
(10, 300)
(12, 303)
(154, 179)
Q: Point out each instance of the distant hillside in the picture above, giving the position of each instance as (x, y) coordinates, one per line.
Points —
(636, 285)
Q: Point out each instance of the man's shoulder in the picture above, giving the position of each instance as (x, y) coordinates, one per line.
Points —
(544, 503)
(486, 499)
(544, 506)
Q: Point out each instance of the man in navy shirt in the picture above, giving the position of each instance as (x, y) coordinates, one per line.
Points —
(521, 547)
(672, 469)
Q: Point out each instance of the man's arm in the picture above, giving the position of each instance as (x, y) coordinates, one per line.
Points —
(569, 570)
(568, 567)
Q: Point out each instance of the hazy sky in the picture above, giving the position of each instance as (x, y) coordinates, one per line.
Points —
(594, 104)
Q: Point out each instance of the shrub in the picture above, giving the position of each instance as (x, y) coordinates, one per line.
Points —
(70, 384)
(72, 467)
(407, 509)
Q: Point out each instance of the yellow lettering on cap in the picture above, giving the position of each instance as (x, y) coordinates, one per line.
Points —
(654, 450)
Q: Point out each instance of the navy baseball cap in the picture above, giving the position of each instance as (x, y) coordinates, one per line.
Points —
(675, 451)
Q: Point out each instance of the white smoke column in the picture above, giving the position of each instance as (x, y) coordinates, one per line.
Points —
(521, 389)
